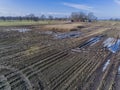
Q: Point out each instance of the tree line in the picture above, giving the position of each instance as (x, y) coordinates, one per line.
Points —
(83, 17)
(74, 17)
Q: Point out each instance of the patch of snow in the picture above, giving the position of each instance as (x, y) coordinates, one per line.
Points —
(109, 42)
(106, 65)
(119, 70)
(19, 30)
(22, 30)
(48, 32)
(112, 44)
(116, 47)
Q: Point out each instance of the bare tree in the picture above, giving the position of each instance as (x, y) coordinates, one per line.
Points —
(50, 17)
(78, 16)
(32, 17)
(2, 18)
(43, 17)
(91, 17)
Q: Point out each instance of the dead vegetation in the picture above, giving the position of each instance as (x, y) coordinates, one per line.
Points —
(65, 27)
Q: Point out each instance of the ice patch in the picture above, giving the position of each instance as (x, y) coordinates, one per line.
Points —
(96, 40)
(119, 70)
(106, 65)
(92, 41)
(109, 42)
(112, 44)
(22, 30)
(72, 34)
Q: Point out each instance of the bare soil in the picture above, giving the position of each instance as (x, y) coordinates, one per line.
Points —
(35, 60)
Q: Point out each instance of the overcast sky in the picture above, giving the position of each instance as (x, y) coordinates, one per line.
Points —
(101, 8)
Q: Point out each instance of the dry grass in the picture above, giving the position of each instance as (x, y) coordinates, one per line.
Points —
(114, 30)
(63, 27)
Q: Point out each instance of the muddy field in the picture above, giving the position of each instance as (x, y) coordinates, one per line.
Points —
(78, 56)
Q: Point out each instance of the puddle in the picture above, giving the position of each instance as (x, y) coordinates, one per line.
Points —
(106, 65)
(92, 41)
(58, 35)
(22, 30)
(112, 44)
(72, 34)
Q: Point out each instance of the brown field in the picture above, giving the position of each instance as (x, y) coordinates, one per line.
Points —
(45, 57)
